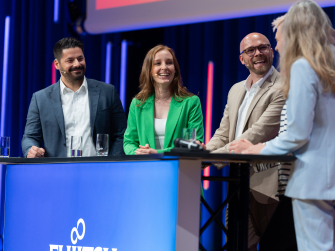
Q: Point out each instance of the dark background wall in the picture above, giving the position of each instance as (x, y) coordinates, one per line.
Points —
(33, 34)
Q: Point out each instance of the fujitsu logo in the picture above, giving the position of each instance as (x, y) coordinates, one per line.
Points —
(75, 240)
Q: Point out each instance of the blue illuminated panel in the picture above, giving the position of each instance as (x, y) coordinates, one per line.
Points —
(124, 206)
(108, 62)
(123, 73)
(4, 75)
(56, 10)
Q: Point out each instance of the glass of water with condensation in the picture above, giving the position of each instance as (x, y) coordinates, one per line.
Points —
(76, 148)
(102, 144)
(190, 134)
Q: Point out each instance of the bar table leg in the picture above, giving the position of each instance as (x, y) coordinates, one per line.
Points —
(238, 208)
(244, 206)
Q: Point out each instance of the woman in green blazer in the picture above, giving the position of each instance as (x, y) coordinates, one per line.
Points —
(163, 107)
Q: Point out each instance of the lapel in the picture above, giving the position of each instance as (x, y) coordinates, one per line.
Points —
(268, 83)
(172, 120)
(54, 95)
(148, 116)
(234, 112)
(93, 99)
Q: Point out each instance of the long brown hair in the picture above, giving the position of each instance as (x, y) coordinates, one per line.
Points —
(307, 32)
(147, 83)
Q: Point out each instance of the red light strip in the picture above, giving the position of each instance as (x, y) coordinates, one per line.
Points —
(53, 73)
(209, 103)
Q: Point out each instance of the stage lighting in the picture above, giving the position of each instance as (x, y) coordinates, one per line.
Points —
(77, 18)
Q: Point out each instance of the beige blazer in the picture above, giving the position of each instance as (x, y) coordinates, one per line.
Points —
(261, 124)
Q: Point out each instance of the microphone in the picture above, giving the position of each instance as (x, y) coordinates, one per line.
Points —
(156, 74)
(187, 144)
(64, 72)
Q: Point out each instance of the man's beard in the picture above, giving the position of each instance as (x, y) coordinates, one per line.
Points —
(75, 77)
(263, 69)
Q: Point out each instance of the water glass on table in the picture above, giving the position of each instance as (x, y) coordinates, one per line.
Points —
(189, 134)
(76, 148)
(102, 144)
(5, 147)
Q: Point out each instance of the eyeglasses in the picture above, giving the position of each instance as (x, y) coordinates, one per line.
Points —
(263, 48)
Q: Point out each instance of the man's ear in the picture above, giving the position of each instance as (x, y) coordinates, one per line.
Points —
(56, 63)
(242, 59)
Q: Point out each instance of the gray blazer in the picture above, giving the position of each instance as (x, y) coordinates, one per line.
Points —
(310, 136)
(45, 120)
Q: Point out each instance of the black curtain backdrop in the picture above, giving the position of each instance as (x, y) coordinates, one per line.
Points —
(33, 34)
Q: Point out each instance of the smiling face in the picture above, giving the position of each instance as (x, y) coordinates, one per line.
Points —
(259, 63)
(71, 65)
(163, 69)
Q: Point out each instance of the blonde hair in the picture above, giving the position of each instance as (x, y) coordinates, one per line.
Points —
(307, 32)
(278, 21)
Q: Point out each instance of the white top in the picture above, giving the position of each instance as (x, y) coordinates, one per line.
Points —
(159, 133)
(76, 113)
(250, 94)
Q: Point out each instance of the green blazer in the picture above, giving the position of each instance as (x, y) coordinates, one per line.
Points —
(140, 129)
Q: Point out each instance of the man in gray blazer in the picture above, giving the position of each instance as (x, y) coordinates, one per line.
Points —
(74, 106)
(253, 112)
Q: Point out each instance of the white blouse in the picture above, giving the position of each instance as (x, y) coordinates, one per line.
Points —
(159, 133)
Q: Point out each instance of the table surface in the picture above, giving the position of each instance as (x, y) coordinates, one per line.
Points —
(204, 156)
(99, 183)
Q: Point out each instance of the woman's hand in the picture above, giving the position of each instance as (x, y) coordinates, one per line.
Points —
(144, 147)
(145, 150)
(239, 146)
(255, 149)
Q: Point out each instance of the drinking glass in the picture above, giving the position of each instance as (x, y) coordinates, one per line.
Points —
(5, 147)
(102, 144)
(189, 134)
(76, 149)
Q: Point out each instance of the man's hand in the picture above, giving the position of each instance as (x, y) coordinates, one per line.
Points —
(256, 149)
(239, 145)
(35, 152)
(201, 144)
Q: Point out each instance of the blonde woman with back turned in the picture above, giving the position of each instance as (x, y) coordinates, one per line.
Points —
(308, 65)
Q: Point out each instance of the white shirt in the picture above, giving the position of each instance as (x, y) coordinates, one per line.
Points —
(159, 133)
(76, 113)
(250, 94)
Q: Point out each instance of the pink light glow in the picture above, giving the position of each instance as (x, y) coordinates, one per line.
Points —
(208, 122)
(53, 73)
(107, 4)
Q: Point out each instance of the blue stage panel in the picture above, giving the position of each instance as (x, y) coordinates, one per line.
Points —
(124, 205)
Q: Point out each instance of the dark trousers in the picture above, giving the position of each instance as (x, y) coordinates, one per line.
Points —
(279, 234)
(259, 217)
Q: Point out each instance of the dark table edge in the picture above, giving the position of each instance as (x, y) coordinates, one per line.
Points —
(227, 157)
(118, 158)
(195, 155)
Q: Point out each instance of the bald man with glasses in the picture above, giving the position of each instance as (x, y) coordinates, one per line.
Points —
(253, 112)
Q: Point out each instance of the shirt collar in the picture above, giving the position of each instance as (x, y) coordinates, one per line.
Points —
(259, 83)
(64, 89)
